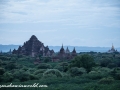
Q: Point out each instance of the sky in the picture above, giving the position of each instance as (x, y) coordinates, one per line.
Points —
(94, 23)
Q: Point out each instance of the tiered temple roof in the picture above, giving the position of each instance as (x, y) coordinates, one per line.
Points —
(32, 47)
(66, 54)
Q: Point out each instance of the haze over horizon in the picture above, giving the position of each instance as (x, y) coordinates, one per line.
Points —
(92, 23)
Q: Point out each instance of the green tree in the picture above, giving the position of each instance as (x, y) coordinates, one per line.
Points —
(107, 80)
(63, 66)
(47, 59)
(44, 66)
(51, 72)
(8, 77)
(0, 62)
(2, 71)
(11, 65)
(85, 61)
(105, 61)
(75, 71)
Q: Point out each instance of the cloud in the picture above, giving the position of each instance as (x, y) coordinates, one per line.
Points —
(65, 19)
(29, 31)
(75, 11)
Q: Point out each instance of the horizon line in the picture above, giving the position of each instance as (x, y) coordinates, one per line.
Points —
(67, 45)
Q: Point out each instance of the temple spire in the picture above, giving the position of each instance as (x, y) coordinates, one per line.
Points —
(112, 47)
(62, 45)
(67, 50)
(62, 49)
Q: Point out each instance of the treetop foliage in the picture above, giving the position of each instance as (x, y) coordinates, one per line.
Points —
(85, 61)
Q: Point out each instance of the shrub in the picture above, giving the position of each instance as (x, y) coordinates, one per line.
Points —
(4, 58)
(8, 77)
(94, 75)
(107, 80)
(33, 77)
(1, 78)
(92, 86)
(16, 80)
(51, 72)
(39, 71)
(117, 76)
(11, 65)
(105, 61)
(85, 61)
(24, 68)
(75, 71)
(43, 66)
(47, 59)
(32, 70)
(60, 68)
(13, 59)
(22, 59)
(64, 65)
(22, 75)
(103, 70)
(1, 62)
(111, 65)
(116, 73)
(2, 71)
(66, 75)
(98, 73)
(117, 62)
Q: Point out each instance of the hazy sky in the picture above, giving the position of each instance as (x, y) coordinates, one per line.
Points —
(71, 22)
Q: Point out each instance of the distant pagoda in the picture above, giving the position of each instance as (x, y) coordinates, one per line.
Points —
(66, 54)
(33, 47)
(112, 50)
(62, 52)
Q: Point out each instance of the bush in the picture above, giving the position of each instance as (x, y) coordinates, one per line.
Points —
(13, 59)
(1, 62)
(85, 61)
(103, 70)
(2, 71)
(116, 73)
(8, 77)
(43, 66)
(4, 58)
(24, 68)
(117, 76)
(75, 71)
(105, 61)
(98, 73)
(11, 65)
(93, 76)
(62, 66)
(117, 62)
(107, 80)
(51, 72)
(32, 70)
(39, 71)
(33, 77)
(22, 59)
(47, 59)
(22, 75)
(111, 65)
